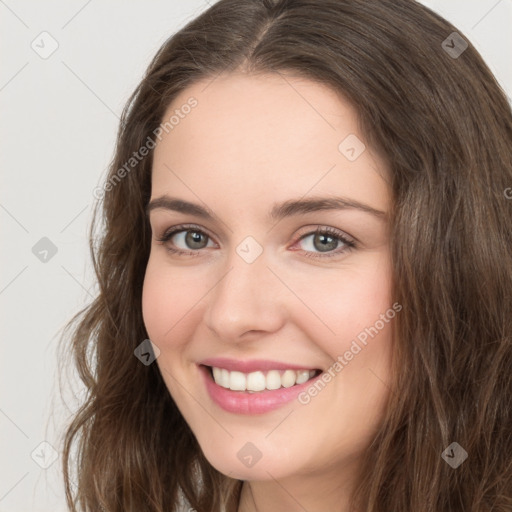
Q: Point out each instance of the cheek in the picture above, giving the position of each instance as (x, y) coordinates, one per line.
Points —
(167, 300)
(341, 307)
(164, 300)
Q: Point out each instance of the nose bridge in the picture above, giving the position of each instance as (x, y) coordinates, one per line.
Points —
(244, 299)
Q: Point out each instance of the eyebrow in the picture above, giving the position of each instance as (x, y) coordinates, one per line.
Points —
(279, 210)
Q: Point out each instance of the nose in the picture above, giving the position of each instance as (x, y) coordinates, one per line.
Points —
(248, 298)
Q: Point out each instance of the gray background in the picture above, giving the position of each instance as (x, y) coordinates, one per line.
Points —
(58, 124)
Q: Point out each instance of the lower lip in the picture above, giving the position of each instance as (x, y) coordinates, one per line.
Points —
(243, 402)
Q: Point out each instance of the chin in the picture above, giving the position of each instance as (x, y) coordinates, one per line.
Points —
(236, 462)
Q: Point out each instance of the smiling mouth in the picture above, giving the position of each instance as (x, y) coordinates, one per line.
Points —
(259, 381)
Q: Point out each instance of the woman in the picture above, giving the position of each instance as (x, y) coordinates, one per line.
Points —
(307, 216)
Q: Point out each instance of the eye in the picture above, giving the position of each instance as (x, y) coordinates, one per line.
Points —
(189, 237)
(323, 243)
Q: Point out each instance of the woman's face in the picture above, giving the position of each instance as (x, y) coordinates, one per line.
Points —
(256, 292)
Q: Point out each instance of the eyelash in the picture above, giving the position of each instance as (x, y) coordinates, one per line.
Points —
(331, 232)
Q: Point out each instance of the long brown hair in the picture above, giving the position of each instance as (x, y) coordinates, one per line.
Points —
(435, 112)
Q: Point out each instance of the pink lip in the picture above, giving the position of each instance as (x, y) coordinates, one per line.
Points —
(251, 366)
(243, 402)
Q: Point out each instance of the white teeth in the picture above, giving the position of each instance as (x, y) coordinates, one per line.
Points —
(302, 376)
(217, 372)
(288, 378)
(258, 381)
(237, 381)
(273, 379)
(224, 378)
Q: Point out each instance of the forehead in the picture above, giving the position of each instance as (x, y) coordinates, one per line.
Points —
(265, 136)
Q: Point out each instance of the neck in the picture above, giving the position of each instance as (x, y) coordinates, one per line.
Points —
(297, 494)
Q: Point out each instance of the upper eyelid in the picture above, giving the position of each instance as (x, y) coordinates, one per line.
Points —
(179, 228)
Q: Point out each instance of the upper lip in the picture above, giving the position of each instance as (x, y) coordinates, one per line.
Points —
(252, 365)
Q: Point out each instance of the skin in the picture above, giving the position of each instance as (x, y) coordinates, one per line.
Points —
(250, 142)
